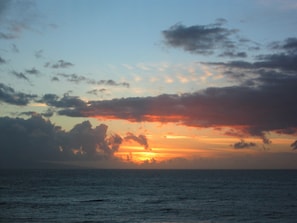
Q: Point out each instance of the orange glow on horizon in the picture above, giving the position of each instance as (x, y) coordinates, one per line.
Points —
(136, 154)
(144, 118)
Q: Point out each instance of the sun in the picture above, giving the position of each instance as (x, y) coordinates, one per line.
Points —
(144, 157)
(136, 154)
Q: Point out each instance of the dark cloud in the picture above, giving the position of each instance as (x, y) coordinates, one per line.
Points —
(34, 141)
(282, 61)
(200, 39)
(243, 145)
(66, 101)
(59, 64)
(10, 96)
(141, 139)
(289, 44)
(254, 111)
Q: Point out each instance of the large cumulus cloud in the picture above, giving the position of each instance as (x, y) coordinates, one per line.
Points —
(36, 142)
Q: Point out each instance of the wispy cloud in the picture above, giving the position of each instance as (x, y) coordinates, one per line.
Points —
(97, 91)
(141, 139)
(80, 78)
(33, 71)
(38, 54)
(17, 16)
(59, 64)
(20, 75)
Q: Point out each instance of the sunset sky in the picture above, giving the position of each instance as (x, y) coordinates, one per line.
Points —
(148, 84)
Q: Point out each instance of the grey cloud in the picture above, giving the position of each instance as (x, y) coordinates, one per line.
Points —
(33, 70)
(38, 54)
(200, 39)
(47, 114)
(141, 139)
(79, 78)
(20, 75)
(221, 21)
(97, 91)
(294, 145)
(10, 96)
(277, 66)
(59, 64)
(286, 62)
(73, 77)
(289, 44)
(253, 111)
(243, 145)
(35, 141)
(232, 54)
(55, 79)
(7, 36)
(113, 83)
(3, 5)
(2, 61)
(62, 64)
(66, 101)
(15, 48)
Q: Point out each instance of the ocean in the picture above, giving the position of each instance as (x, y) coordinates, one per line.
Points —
(150, 196)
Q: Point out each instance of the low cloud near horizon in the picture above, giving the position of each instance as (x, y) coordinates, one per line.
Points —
(36, 142)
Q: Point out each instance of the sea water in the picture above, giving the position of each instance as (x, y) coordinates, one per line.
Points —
(163, 196)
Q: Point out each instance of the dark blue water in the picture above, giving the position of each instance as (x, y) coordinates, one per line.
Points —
(201, 196)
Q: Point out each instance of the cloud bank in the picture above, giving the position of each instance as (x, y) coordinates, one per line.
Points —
(36, 142)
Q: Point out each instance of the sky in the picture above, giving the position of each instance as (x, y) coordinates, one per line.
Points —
(148, 84)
